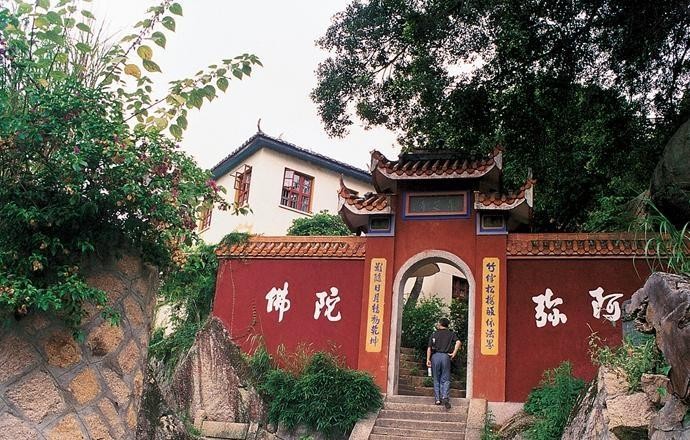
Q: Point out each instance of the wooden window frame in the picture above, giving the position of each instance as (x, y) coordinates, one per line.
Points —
(297, 190)
(243, 182)
(205, 219)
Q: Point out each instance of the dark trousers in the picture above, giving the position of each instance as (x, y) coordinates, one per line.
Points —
(440, 369)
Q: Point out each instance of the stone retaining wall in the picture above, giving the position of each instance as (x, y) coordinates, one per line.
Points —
(53, 387)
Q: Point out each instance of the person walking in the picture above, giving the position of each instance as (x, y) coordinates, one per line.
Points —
(443, 346)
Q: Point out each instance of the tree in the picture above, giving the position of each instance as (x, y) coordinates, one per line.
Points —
(321, 223)
(566, 87)
(76, 177)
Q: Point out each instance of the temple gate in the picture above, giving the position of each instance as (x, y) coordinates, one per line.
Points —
(534, 299)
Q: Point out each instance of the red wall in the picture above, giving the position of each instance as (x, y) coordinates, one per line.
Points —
(241, 298)
(532, 349)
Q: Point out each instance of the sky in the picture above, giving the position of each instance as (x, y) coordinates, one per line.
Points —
(282, 34)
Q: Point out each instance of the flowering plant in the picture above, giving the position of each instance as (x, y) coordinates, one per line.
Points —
(77, 179)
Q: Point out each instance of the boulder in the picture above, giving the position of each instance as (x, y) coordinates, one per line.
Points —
(670, 186)
(515, 426)
(668, 423)
(662, 307)
(655, 386)
(629, 416)
(606, 411)
(213, 382)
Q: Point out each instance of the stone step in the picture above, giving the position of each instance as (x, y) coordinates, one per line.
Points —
(424, 391)
(437, 414)
(385, 433)
(418, 381)
(421, 425)
(407, 350)
(409, 358)
(408, 371)
(421, 366)
(423, 400)
(428, 407)
(224, 430)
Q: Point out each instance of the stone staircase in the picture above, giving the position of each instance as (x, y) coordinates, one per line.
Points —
(416, 417)
(413, 374)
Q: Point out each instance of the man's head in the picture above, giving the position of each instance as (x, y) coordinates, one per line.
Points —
(444, 323)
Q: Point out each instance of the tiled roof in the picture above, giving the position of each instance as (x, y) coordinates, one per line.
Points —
(585, 245)
(498, 201)
(369, 203)
(435, 165)
(261, 139)
(348, 248)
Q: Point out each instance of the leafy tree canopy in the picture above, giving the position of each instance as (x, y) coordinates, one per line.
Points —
(88, 163)
(568, 88)
(321, 223)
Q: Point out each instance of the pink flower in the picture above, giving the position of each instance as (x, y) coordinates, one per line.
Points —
(77, 150)
(212, 184)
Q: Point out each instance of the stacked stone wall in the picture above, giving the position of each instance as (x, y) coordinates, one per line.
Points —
(55, 387)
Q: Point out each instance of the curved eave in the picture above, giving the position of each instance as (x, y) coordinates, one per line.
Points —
(357, 218)
(385, 179)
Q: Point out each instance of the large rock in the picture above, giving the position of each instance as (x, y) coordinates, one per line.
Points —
(670, 186)
(662, 306)
(606, 411)
(213, 382)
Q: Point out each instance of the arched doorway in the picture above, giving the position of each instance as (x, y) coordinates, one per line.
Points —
(403, 274)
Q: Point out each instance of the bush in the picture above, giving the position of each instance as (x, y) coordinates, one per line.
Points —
(189, 293)
(78, 178)
(321, 223)
(488, 429)
(418, 322)
(552, 401)
(634, 359)
(325, 396)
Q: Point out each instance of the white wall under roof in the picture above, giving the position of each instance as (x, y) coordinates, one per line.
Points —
(268, 217)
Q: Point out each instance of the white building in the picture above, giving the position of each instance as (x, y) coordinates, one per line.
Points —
(279, 182)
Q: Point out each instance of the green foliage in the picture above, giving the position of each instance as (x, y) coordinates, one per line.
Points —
(458, 318)
(428, 382)
(325, 396)
(488, 431)
(667, 247)
(47, 43)
(188, 293)
(261, 364)
(321, 223)
(634, 359)
(77, 180)
(552, 402)
(419, 322)
(561, 86)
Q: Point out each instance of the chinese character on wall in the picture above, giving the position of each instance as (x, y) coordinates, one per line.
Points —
(328, 302)
(545, 304)
(276, 300)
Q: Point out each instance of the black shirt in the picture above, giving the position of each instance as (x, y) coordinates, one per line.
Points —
(442, 341)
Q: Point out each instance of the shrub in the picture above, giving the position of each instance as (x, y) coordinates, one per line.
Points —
(325, 396)
(667, 247)
(188, 292)
(488, 430)
(552, 401)
(418, 322)
(78, 178)
(321, 223)
(634, 359)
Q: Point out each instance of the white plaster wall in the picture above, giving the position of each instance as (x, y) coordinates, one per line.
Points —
(268, 217)
(439, 284)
